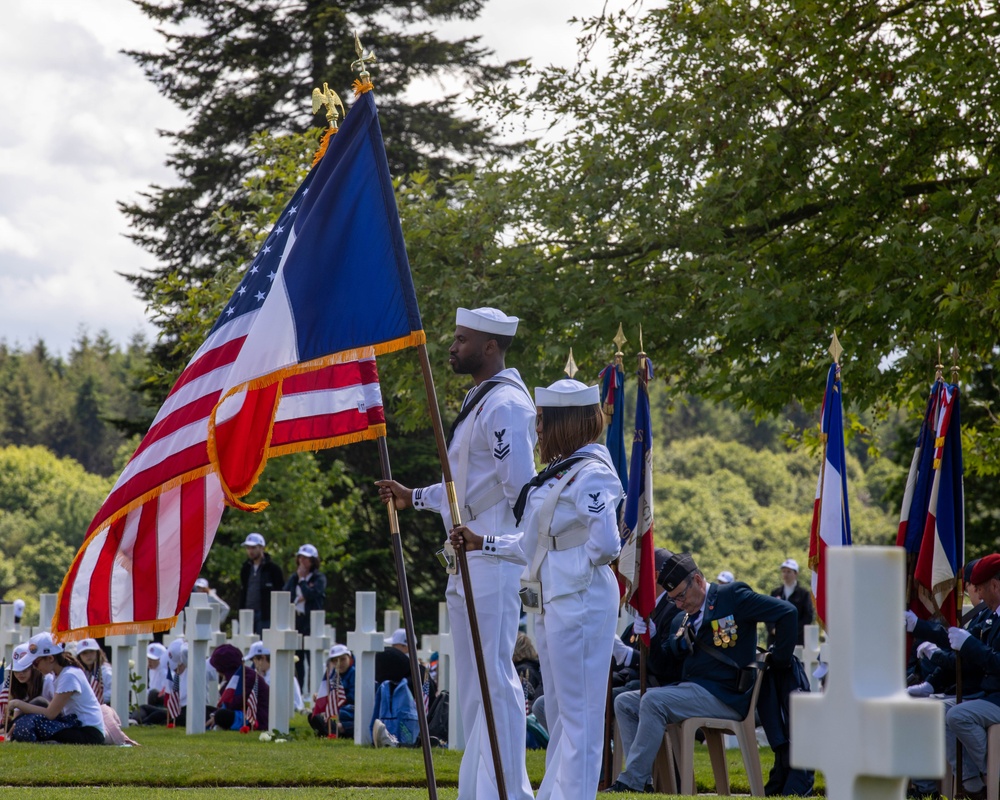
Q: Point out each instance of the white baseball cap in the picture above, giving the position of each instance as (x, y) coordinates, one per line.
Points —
(398, 637)
(790, 563)
(177, 653)
(487, 320)
(156, 651)
(338, 650)
(254, 540)
(256, 649)
(21, 658)
(86, 645)
(567, 393)
(725, 577)
(308, 551)
(41, 644)
(18, 607)
(201, 583)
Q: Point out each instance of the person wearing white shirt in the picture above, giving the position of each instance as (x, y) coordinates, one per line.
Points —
(570, 536)
(491, 450)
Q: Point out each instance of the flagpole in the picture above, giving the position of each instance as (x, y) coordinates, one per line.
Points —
(642, 386)
(463, 563)
(329, 702)
(958, 599)
(411, 639)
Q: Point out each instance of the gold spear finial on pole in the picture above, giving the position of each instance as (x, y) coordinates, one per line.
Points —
(954, 364)
(570, 368)
(332, 101)
(363, 83)
(619, 341)
(939, 367)
(835, 349)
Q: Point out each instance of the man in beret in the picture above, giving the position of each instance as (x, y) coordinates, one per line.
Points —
(967, 721)
(491, 449)
(716, 638)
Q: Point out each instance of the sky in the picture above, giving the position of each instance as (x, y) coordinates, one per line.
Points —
(79, 129)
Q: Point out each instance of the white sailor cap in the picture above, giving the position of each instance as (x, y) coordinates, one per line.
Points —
(487, 320)
(567, 393)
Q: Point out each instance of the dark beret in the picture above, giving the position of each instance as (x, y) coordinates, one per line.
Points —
(987, 567)
(660, 556)
(967, 570)
(675, 569)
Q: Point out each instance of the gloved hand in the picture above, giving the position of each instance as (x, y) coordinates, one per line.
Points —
(621, 652)
(957, 637)
(920, 690)
(911, 621)
(639, 626)
(926, 649)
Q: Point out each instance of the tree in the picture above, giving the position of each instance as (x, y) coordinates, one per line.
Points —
(242, 67)
(760, 174)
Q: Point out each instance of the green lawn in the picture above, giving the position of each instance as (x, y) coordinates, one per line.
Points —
(207, 766)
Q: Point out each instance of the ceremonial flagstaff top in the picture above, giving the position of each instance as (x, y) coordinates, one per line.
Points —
(288, 366)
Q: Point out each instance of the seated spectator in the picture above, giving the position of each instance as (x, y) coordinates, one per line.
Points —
(259, 657)
(74, 714)
(239, 683)
(528, 669)
(337, 689)
(156, 669)
(27, 683)
(716, 639)
(96, 667)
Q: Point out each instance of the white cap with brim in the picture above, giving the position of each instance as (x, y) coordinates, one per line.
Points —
(256, 649)
(156, 651)
(567, 393)
(85, 645)
(42, 644)
(21, 658)
(487, 320)
(254, 540)
(338, 650)
(201, 583)
(398, 637)
(308, 551)
(790, 563)
(177, 653)
(18, 607)
(725, 577)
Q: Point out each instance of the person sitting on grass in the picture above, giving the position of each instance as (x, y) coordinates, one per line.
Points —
(259, 657)
(28, 684)
(96, 667)
(339, 664)
(238, 682)
(74, 714)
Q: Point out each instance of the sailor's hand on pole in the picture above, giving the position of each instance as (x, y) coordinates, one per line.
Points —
(390, 491)
(462, 537)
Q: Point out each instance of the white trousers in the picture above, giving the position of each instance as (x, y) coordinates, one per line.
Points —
(495, 584)
(575, 637)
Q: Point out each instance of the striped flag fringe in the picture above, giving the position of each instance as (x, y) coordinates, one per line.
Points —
(636, 561)
(831, 522)
(278, 373)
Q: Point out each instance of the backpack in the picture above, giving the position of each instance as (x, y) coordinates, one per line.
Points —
(395, 706)
(437, 717)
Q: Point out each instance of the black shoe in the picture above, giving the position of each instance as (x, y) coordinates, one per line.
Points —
(618, 786)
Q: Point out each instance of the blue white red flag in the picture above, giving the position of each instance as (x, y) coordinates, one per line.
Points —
(636, 563)
(172, 700)
(831, 522)
(942, 550)
(289, 366)
(613, 404)
(916, 497)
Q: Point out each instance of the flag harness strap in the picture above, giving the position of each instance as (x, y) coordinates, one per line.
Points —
(531, 586)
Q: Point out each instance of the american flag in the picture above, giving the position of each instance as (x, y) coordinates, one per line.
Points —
(250, 716)
(97, 684)
(289, 366)
(337, 697)
(426, 692)
(172, 700)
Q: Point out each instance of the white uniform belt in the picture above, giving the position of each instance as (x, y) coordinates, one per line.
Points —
(484, 501)
(566, 540)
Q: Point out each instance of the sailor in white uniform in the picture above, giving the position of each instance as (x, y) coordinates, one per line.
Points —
(491, 451)
(570, 536)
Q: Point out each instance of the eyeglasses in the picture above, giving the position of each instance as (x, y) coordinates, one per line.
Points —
(678, 598)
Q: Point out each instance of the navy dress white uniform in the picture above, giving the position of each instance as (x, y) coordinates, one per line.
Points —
(492, 456)
(570, 535)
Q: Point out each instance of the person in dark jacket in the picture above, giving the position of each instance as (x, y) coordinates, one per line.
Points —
(307, 586)
(717, 639)
(259, 577)
(798, 596)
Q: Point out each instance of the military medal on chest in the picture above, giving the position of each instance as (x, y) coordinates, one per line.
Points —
(724, 631)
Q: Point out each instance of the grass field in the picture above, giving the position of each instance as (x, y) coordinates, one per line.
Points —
(215, 764)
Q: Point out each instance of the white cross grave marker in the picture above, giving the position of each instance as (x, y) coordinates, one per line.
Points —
(809, 652)
(448, 678)
(865, 733)
(121, 649)
(282, 640)
(142, 641)
(317, 644)
(199, 635)
(46, 611)
(243, 635)
(11, 634)
(364, 642)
